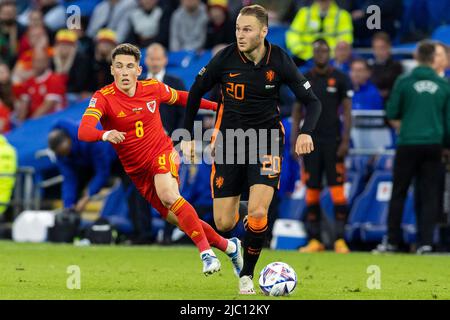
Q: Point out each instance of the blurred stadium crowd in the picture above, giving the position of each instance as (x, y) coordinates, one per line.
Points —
(46, 68)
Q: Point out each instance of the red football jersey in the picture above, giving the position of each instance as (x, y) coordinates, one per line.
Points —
(50, 86)
(5, 114)
(139, 117)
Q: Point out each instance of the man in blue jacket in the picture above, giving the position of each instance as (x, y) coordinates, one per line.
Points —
(80, 163)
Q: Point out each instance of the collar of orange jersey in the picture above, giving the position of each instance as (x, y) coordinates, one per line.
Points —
(264, 60)
(136, 93)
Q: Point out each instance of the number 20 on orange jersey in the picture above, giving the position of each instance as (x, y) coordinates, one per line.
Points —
(236, 90)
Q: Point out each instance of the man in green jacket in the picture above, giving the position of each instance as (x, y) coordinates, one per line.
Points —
(419, 106)
(8, 166)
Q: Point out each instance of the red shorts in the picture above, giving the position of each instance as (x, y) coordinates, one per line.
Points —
(167, 161)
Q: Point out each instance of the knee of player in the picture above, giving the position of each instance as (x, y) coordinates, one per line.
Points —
(224, 225)
(257, 212)
(168, 197)
(257, 219)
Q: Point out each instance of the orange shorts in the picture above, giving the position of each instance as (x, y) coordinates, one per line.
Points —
(167, 161)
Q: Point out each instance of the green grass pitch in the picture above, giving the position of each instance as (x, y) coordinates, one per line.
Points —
(39, 271)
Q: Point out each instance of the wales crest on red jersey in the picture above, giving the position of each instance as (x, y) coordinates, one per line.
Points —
(151, 106)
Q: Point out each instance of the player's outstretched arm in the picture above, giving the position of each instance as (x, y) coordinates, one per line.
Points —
(88, 132)
(206, 79)
(182, 100)
(193, 104)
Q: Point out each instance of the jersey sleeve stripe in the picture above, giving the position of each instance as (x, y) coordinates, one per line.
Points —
(92, 114)
(94, 111)
(174, 96)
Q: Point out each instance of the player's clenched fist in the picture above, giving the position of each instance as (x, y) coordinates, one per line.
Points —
(114, 136)
(304, 144)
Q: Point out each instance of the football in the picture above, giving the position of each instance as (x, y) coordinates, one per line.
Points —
(277, 279)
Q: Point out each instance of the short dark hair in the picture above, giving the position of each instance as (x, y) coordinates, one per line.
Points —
(126, 49)
(425, 51)
(383, 36)
(259, 12)
(321, 41)
(56, 137)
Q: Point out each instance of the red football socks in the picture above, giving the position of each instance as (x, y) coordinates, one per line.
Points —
(190, 223)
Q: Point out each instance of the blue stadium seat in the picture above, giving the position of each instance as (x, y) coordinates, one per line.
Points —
(86, 6)
(277, 35)
(384, 162)
(442, 34)
(292, 207)
(368, 217)
(368, 211)
(27, 148)
(361, 164)
(353, 185)
(187, 64)
(115, 210)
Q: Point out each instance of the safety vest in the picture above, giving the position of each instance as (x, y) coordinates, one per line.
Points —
(8, 166)
(307, 27)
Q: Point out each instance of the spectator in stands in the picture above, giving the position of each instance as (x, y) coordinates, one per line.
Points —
(5, 115)
(105, 42)
(370, 130)
(8, 166)
(441, 59)
(85, 44)
(6, 98)
(39, 41)
(114, 15)
(71, 64)
(366, 95)
(35, 21)
(385, 70)
(54, 14)
(188, 26)
(343, 57)
(6, 92)
(149, 24)
(156, 62)
(295, 5)
(419, 106)
(80, 163)
(220, 28)
(44, 93)
(10, 32)
(324, 19)
(391, 11)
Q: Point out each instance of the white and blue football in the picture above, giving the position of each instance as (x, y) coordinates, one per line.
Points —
(277, 279)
